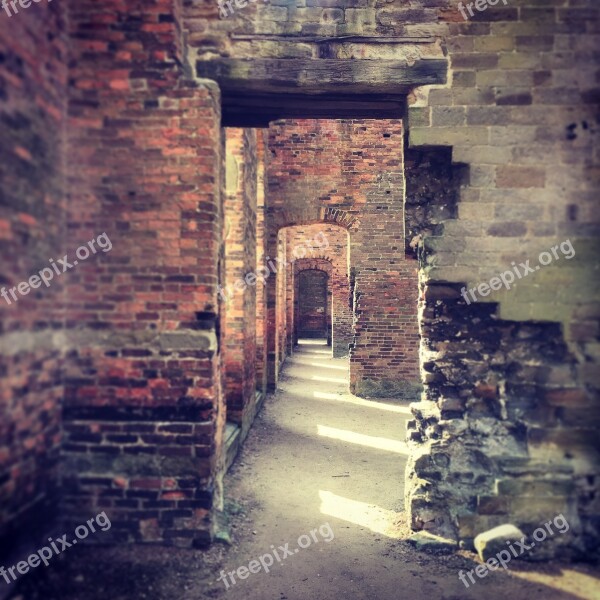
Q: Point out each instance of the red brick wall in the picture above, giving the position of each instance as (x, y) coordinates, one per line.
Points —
(32, 231)
(143, 407)
(239, 348)
(350, 172)
(288, 298)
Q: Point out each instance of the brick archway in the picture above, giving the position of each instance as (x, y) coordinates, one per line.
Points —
(325, 215)
(341, 301)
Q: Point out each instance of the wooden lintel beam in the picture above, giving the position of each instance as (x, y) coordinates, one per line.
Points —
(321, 76)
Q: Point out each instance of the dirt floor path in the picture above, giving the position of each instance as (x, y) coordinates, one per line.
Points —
(321, 471)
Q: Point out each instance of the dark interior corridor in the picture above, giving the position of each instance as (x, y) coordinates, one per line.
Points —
(313, 299)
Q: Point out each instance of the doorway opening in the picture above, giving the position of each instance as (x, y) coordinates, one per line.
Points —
(313, 306)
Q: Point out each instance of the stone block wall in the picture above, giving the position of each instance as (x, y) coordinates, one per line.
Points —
(316, 29)
(520, 115)
(32, 231)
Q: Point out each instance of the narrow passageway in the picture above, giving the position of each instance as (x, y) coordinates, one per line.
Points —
(318, 455)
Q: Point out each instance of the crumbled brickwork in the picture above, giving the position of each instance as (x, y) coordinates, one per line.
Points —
(521, 118)
(497, 435)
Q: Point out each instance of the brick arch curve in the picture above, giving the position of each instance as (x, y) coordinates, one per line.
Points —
(319, 263)
(326, 215)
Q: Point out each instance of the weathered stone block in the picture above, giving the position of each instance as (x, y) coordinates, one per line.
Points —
(489, 543)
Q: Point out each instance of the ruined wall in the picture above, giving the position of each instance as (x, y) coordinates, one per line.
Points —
(239, 295)
(143, 411)
(32, 231)
(350, 172)
(519, 119)
(507, 431)
(433, 185)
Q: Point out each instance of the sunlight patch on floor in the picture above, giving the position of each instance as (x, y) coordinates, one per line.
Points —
(328, 379)
(373, 517)
(310, 342)
(405, 410)
(326, 366)
(364, 440)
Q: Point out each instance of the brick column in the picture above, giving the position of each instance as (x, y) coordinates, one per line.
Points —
(239, 348)
(143, 409)
(261, 288)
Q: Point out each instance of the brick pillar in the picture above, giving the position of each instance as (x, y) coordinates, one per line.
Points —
(239, 350)
(261, 288)
(282, 294)
(289, 294)
(342, 302)
(383, 357)
(272, 289)
(143, 410)
(386, 336)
